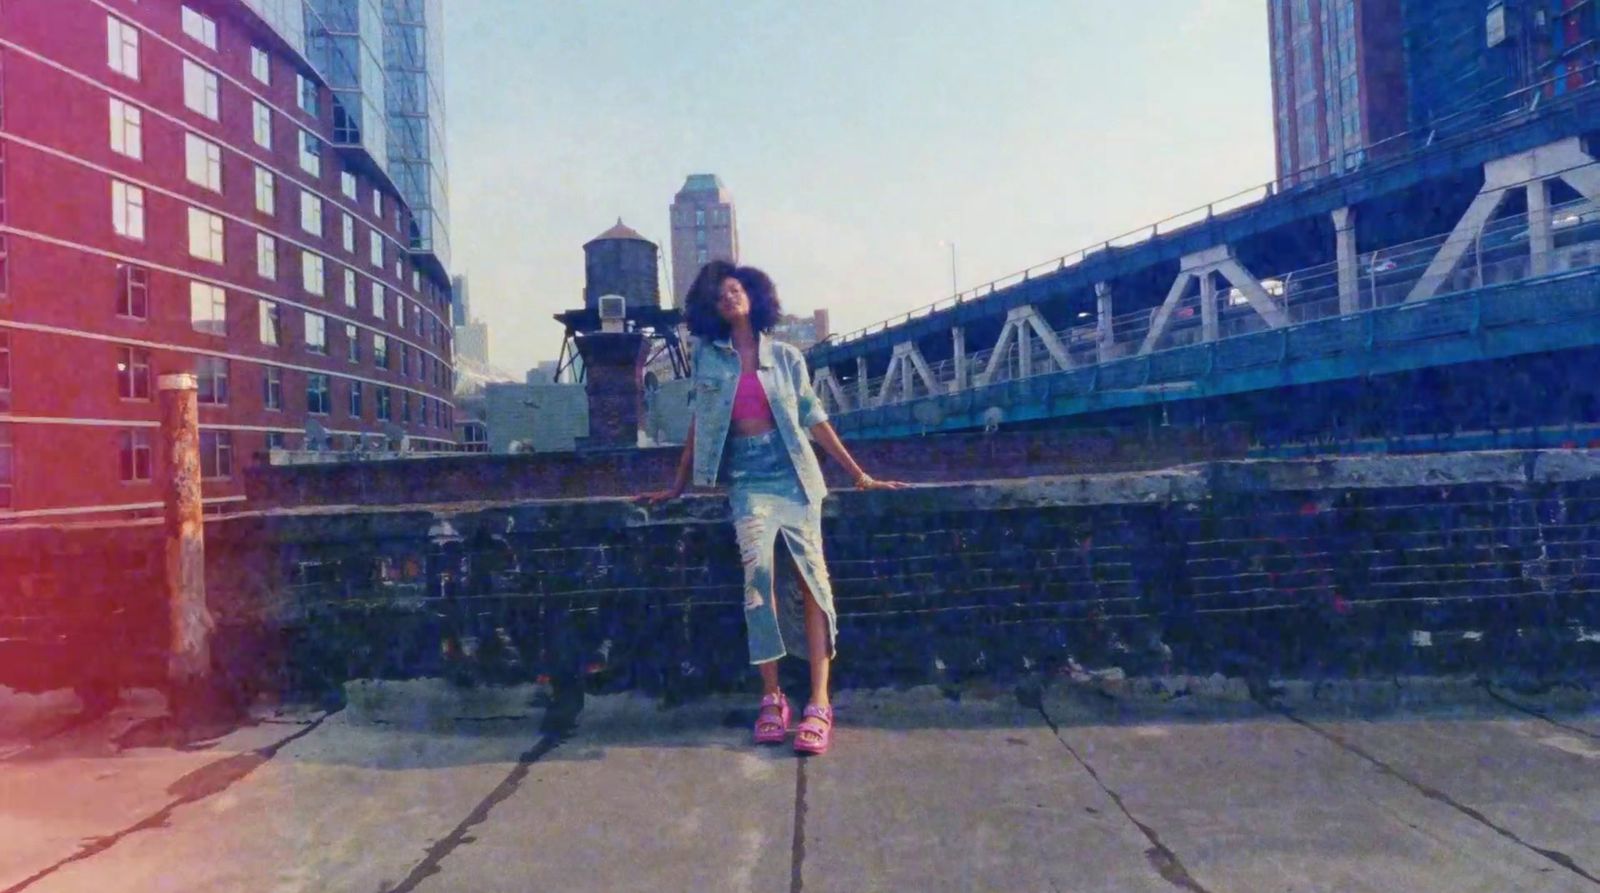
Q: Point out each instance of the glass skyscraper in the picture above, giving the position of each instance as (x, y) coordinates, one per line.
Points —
(384, 62)
(413, 57)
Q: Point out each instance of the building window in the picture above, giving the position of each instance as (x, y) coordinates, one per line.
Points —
(311, 273)
(133, 292)
(200, 27)
(380, 352)
(349, 234)
(208, 308)
(355, 399)
(700, 217)
(347, 184)
(400, 311)
(266, 192)
(310, 154)
(203, 162)
(127, 129)
(352, 342)
(306, 94)
(349, 287)
(122, 47)
(310, 213)
(261, 127)
(383, 402)
(702, 256)
(133, 373)
(379, 304)
(266, 256)
(317, 393)
(405, 360)
(212, 373)
(127, 210)
(5, 265)
(216, 454)
(205, 235)
(377, 203)
(200, 89)
(272, 388)
(133, 455)
(260, 65)
(271, 323)
(405, 407)
(316, 333)
(376, 246)
(8, 475)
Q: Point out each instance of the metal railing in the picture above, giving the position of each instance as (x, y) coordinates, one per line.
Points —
(1386, 276)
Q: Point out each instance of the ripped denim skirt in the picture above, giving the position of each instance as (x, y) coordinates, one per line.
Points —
(771, 519)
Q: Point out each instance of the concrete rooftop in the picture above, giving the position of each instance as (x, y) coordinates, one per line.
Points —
(1085, 786)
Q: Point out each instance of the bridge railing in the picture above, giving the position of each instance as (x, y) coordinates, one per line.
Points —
(1386, 276)
(1460, 127)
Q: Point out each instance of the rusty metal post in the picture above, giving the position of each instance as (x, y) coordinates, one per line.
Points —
(189, 621)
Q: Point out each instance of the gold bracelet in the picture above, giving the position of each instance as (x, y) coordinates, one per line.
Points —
(862, 477)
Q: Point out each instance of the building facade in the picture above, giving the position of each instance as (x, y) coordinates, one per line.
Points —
(1471, 63)
(176, 204)
(705, 227)
(1337, 83)
(802, 331)
(1359, 79)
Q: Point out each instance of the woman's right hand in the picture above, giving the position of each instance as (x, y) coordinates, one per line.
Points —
(660, 496)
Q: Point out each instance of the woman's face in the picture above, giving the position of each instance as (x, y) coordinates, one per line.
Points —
(732, 303)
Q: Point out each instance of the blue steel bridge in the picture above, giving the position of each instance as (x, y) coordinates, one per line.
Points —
(1445, 297)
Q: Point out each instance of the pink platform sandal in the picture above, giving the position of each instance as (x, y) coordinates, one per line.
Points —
(772, 721)
(815, 732)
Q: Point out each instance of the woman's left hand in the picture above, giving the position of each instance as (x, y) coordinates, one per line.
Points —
(868, 482)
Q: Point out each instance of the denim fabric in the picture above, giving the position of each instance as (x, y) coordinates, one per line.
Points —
(781, 369)
(770, 512)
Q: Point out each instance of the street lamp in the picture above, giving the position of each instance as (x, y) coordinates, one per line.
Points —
(954, 290)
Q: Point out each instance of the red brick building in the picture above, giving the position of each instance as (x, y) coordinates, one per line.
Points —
(171, 201)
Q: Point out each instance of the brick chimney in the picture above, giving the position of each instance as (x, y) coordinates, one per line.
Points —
(613, 364)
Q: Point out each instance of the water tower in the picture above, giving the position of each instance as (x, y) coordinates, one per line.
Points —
(621, 329)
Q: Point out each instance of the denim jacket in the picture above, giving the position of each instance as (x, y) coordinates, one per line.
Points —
(781, 369)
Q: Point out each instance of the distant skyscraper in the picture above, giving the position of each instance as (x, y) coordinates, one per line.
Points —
(704, 228)
(472, 335)
(460, 302)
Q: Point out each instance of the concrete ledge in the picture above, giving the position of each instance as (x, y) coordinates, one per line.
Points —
(1193, 483)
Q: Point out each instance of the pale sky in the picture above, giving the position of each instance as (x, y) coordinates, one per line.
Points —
(854, 135)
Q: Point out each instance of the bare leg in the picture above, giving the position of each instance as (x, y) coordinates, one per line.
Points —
(816, 645)
(769, 678)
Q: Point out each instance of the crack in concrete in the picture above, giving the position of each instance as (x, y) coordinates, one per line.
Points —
(207, 781)
(1160, 856)
(797, 852)
(560, 720)
(1537, 714)
(1432, 793)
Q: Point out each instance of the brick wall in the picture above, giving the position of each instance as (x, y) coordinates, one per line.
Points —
(1467, 562)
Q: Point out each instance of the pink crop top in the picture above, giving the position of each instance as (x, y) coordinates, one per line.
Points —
(750, 400)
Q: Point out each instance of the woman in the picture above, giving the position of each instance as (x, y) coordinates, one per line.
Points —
(752, 406)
